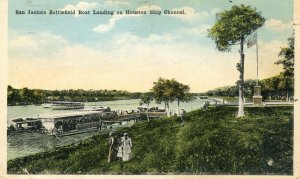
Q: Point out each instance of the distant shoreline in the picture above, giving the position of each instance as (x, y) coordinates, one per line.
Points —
(40, 103)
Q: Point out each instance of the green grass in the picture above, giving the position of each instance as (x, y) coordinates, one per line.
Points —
(209, 142)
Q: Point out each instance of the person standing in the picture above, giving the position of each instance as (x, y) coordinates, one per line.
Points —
(112, 147)
(183, 113)
(127, 146)
(120, 149)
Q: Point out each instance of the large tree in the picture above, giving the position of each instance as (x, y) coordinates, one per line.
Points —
(163, 92)
(168, 91)
(232, 28)
(287, 60)
(287, 57)
(182, 94)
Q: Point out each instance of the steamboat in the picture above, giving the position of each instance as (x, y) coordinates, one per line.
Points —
(80, 121)
(63, 105)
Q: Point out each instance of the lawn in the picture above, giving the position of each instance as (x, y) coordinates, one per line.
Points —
(208, 142)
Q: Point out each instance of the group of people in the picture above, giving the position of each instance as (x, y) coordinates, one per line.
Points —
(126, 111)
(206, 105)
(119, 148)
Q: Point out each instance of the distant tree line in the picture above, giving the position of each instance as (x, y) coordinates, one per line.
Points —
(36, 96)
(274, 88)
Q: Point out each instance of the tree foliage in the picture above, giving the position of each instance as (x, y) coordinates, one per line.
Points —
(168, 91)
(147, 98)
(35, 96)
(231, 28)
(287, 58)
(232, 25)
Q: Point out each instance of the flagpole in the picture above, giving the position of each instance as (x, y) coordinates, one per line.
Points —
(256, 60)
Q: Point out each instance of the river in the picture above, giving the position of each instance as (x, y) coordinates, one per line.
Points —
(30, 143)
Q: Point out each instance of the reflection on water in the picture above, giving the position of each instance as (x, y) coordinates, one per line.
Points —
(23, 144)
(30, 143)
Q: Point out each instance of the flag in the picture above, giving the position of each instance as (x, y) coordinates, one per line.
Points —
(252, 40)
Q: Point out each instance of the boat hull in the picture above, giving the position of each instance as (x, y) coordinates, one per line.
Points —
(47, 105)
(66, 107)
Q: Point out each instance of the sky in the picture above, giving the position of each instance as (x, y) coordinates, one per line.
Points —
(130, 52)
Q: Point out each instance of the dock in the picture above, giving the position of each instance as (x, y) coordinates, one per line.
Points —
(133, 116)
(109, 121)
(82, 121)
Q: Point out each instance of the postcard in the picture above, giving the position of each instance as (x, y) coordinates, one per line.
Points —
(123, 88)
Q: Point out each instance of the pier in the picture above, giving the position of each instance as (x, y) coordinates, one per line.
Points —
(133, 116)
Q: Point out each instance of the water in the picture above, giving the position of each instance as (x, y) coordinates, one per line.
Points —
(30, 143)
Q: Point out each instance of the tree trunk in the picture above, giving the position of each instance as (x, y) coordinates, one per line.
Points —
(178, 109)
(241, 83)
(147, 112)
(168, 110)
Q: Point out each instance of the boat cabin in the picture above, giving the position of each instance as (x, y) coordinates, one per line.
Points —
(76, 120)
(21, 124)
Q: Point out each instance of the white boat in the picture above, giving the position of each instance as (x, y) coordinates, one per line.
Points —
(63, 105)
(47, 105)
(97, 108)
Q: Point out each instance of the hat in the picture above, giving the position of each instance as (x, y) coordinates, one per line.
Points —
(111, 133)
(125, 134)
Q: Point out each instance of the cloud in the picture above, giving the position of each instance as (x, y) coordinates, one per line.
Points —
(113, 20)
(80, 6)
(130, 58)
(276, 24)
(191, 14)
(196, 30)
(108, 26)
(35, 43)
(148, 8)
(116, 2)
(214, 11)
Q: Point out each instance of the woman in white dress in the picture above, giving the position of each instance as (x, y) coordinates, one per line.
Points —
(126, 145)
(120, 149)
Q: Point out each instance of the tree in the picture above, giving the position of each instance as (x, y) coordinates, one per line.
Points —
(287, 57)
(13, 96)
(26, 95)
(231, 28)
(146, 98)
(167, 91)
(285, 85)
(163, 92)
(182, 94)
(249, 87)
(287, 61)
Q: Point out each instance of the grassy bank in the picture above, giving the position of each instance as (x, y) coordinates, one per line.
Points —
(209, 142)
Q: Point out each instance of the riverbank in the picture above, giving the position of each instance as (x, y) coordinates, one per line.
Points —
(91, 101)
(208, 142)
